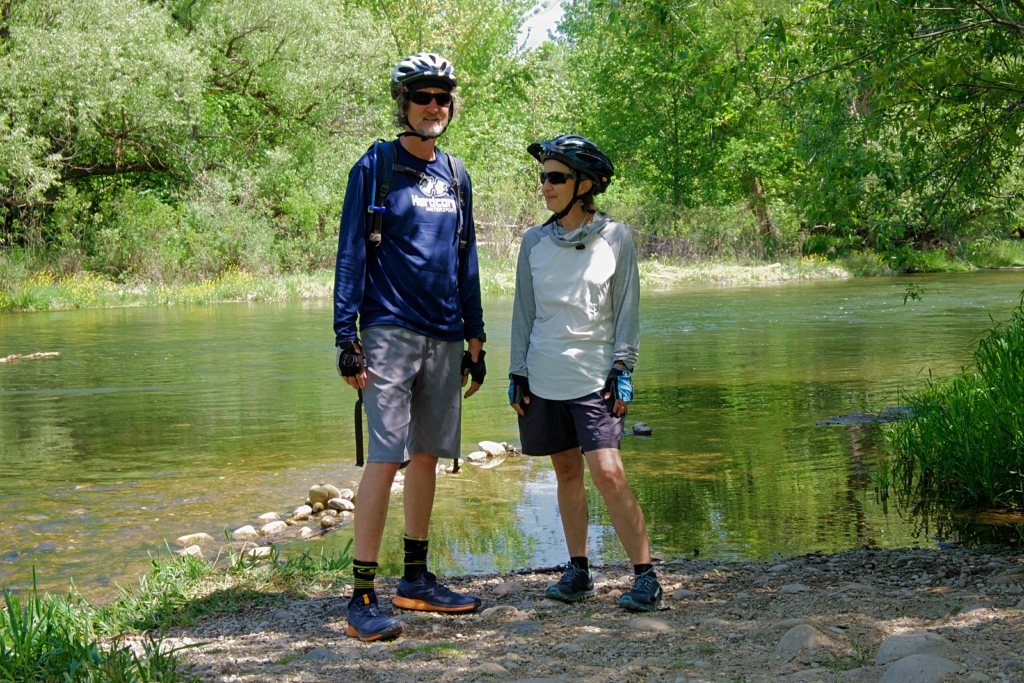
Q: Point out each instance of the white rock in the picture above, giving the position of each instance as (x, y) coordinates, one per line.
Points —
(794, 588)
(192, 551)
(347, 494)
(682, 594)
(491, 448)
(397, 489)
(268, 517)
(244, 533)
(802, 637)
(306, 532)
(345, 516)
(913, 643)
(341, 504)
(192, 539)
(326, 522)
(272, 528)
(649, 624)
(262, 551)
(491, 668)
(919, 669)
(508, 588)
(498, 610)
(302, 512)
(476, 456)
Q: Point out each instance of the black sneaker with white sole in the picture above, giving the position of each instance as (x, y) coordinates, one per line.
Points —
(646, 593)
(574, 585)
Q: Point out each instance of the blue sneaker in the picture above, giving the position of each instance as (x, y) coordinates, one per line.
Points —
(427, 595)
(646, 593)
(574, 585)
(366, 622)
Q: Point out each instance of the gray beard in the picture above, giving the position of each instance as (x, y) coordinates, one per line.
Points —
(430, 129)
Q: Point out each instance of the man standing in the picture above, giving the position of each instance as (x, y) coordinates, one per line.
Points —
(407, 265)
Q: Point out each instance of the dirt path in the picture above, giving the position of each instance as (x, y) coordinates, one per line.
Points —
(811, 618)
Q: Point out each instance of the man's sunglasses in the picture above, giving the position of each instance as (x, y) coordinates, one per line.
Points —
(422, 98)
(555, 177)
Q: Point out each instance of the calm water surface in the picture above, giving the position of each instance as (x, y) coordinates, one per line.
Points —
(156, 422)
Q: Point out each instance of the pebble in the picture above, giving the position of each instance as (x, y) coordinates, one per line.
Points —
(614, 594)
(347, 494)
(306, 532)
(327, 522)
(476, 456)
(192, 539)
(245, 533)
(318, 507)
(491, 448)
(345, 516)
(302, 512)
(650, 625)
(794, 588)
(802, 637)
(192, 551)
(548, 603)
(919, 669)
(341, 504)
(913, 643)
(978, 677)
(1012, 665)
(268, 517)
(498, 610)
(272, 528)
(322, 493)
(508, 588)
(779, 568)
(375, 649)
(680, 594)
(262, 551)
(321, 654)
(526, 628)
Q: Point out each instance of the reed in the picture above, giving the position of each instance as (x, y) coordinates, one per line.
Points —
(963, 446)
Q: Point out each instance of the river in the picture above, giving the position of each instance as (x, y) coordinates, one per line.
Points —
(155, 422)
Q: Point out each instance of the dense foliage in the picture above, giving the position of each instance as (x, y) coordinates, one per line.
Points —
(964, 444)
(173, 139)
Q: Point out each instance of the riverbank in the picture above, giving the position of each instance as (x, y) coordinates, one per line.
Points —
(44, 290)
(848, 617)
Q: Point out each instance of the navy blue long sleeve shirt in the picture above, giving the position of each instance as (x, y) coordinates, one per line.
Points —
(415, 277)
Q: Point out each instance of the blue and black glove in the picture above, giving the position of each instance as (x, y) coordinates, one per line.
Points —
(476, 370)
(349, 361)
(518, 389)
(619, 384)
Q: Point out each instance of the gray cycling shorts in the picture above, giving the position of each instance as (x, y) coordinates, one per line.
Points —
(413, 395)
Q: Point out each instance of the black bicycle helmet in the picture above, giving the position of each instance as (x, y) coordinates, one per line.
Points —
(579, 154)
(422, 70)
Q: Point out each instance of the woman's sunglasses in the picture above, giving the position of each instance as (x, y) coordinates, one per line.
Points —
(422, 98)
(555, 177)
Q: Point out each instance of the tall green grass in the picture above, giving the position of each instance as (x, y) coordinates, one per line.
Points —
(65, 639)
(964, 444)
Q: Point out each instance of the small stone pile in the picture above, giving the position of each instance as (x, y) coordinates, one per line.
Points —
(491, 454)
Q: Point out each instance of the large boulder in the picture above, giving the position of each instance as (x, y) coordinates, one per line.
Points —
(321, 493)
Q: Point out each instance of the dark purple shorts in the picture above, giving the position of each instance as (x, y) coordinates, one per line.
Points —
(550, 427)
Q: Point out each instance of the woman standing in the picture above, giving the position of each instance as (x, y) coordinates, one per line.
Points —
(575, 338)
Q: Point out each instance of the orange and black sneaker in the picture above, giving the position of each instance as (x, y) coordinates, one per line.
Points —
(366, 622)
(426, 594)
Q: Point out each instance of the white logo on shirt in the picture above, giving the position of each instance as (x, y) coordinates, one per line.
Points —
(436, 199)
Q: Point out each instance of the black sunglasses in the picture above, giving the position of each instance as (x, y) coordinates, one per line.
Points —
(555, 177)
(422, 98)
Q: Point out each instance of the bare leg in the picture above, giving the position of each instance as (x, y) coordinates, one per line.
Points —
(372, 508)
(572, 500)
(610, 478)
(420, 480)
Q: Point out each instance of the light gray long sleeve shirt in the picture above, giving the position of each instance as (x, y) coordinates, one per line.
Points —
(577, 307)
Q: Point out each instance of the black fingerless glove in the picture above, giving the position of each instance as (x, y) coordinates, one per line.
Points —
(475, 370)
(619, 384)
(518, 388)
(349, 361)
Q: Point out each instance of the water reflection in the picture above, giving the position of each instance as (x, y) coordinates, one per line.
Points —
(161, 421)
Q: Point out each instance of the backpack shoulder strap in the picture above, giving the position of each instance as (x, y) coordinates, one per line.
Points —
(385, 175)
(458, 170)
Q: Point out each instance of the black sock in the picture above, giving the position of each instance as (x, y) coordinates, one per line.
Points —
(415, 557)
(639, 569)
(364, 574)
(580, 562)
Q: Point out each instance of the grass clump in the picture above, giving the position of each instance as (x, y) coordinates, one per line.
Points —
(964, 441)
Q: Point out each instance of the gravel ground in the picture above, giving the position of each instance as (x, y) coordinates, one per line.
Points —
(810, 618)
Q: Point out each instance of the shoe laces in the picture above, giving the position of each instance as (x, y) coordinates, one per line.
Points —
(646, 582)
(571, 572)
